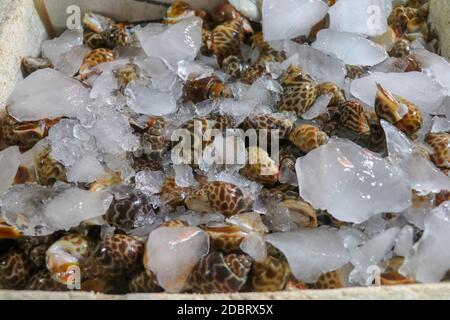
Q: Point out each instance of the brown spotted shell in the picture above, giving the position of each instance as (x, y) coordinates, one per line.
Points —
(252, 73)
(332, 280)
(110, 178)
(331, 88)
(93, 59)
(14, 270)
(225, 237)
(271, 55)
(203, 89)
(388, 108)
(172, 194)
(48, 170)
(219, 196)
(299, 91)
(115, 255)
(268, 122)
(144, 282)
(32, 64)
(36, 247)
(301, 212)
(353, 118)
(42, 281)
(400, 49)
(440, 143)
(268, 276)
(226, 39)
(126, 74)
(232, 66)
(216, 273)
(22, 134)
(307, 137)
(129, 210)
(260, 167)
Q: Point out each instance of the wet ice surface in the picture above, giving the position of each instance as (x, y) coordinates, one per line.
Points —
(414, 86)
(145, 100)
(421, 173)
(56, 94)
(437, 67)
(297, 16)
(440, 125)
(9, 164)
(87, 169)
(55, 48)
(370, 254)
(174, 43)
(311, 252)
(172, 254)
(318, 107)
(430, 259)
(364, 52)
(350, 182)
(255, 246)
(150, 182)
(368, 17)
(38, 210)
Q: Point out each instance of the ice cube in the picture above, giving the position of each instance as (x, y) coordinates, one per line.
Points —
(172, 253)
(87, 169)
(153, 102)
(47, 93)
(311, 252)
(350, 182)
(180, 41)
(440, 125)
(421, 174)
(106, 83)
(366, 258)
(54, 48)
(184, 176)
(363, 51)
(9, 164)
(430, 259)
(318, 107)
(72, 206)
(435, 66)
(287, 19)
(405, 241)
(239, 109)
(193, 70)
(150, 182)
(319, 65)
(414, 86)
(255, 246)
(368, 17)
(70, 62)
(39, 210)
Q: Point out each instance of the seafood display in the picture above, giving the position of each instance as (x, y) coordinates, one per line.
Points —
(259, 146)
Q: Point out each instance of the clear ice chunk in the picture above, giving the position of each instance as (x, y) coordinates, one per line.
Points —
(311, 252)
(363, 51)
(87, 170)
(53, 49)
(318, 107)
(255, 246)
(430, 259)
(435, 66)
(47, 93)
(350, 182)
(367, 257)
(150, 182)
(172, 253)
(177, 42)
(367, 17)
(70, 62)
(297, 17)
(9, 164)
(421, 174)
(440, 125)
(148, 101)
(405, 241)
(38, 210)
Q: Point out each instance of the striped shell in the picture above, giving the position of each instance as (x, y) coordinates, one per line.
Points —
(269, 123)
(14, 270)
(144, 282)
(225, 237)
(353, 118)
